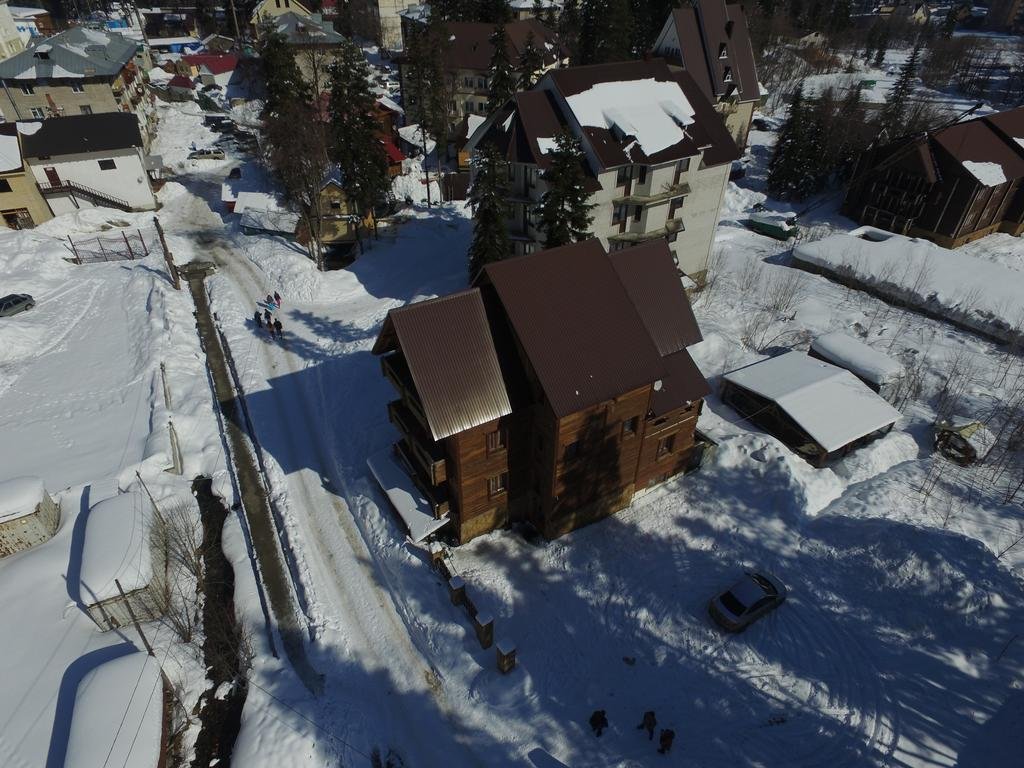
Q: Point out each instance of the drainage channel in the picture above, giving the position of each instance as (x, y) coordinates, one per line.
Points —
(272, 568)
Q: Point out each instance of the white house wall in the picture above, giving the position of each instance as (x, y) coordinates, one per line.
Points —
(127, 181)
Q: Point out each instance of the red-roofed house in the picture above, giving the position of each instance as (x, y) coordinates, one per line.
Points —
(180, 88)
(206, 66)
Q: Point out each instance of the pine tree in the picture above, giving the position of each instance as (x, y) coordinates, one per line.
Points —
(564, 211)
(839, 17)
(893, 116)
(792, 167)
(569, 25)
(881, 44)
(538, 9)
(490, 237)
(606, 31)
(355, 145)
(950, 22)
(430, 89)
(501, 80)
(493, 11)
(530, 63)
(281, 74)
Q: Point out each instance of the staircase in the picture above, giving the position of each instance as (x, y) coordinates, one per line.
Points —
(74, 188)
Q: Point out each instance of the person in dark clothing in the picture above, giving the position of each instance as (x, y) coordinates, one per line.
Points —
(598, 721)
(277, 327)
(270, 328)
(257, 319)
(648, 724)
(665, 740)
(267, 316)
(277, 299)
(270, 301)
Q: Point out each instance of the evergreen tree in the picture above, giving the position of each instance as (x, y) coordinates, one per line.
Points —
(950, 22)
(501, 81)
(791, 172)
(490, 237)
(881, 43)
(356, 146)
(564, 211)
(893, 115)
(839, 17)
(569, 24)
(493, 11)
(530, 63)
(538, 9)
(606, 31)
(429, 85)
(281, 74)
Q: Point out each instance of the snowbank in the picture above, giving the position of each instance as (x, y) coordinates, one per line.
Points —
(876, 458)
(116, 547)
(19, 497)
(856, 356)
(977, 293)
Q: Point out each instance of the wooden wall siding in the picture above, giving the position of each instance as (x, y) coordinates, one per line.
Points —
(680, 424)
(472, 467)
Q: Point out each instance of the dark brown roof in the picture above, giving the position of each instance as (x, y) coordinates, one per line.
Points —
(707, 129)
(79, 134)
(976, 141)
(683, 384)
(471, 47)
(450, 353)
(1010, 124)
(579, 328)
(649, 276)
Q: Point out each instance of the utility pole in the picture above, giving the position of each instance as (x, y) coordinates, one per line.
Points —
(135, 621)
(172, 270)
(238, 34)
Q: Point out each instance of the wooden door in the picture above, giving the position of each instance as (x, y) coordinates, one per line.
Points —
(52, 176)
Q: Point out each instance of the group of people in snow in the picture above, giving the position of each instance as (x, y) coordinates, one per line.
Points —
(271, 304)
(599, 722)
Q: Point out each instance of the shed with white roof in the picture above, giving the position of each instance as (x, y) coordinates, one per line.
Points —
(876, 369)
(119, 549)
(819, 410)
(28, 516)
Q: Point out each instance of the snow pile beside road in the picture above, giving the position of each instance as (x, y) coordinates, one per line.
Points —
(877, 458)
(412, 186)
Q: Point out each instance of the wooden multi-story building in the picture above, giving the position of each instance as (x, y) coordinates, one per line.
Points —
(551, 392)
(951, 186)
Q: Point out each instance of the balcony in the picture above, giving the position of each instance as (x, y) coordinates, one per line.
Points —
(672, 227)
(437, 496)
(425, 453)
(676, 190)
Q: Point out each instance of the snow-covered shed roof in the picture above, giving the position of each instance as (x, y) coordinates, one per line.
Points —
(273, 221)
(75, 53)
(118, 715)
(116, 547)
(405, 497)
(10, 150)
(260, 201)
(829, 403)
(306, 30)
(857, 357)
(19, 497)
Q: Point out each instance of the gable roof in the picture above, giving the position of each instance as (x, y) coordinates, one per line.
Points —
(983, 151)
(305, 30)
(470, 43)
(215, 63)
(448, 347)
(1010, 124)
(584, 337)
(75, 53)
(76, 134)
(642, 112)
(180, 81)
(713, 40)
(829, 403)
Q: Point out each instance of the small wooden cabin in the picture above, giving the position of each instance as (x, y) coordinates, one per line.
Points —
(817, 409)
(28, 516)
(551, 392)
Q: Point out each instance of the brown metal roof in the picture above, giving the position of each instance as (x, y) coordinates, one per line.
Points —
(976, 141)
(471, 47)
(578, 325)
(649, 276)
(448, 347)
(1010, 123)
(683, 384)
(707, 130)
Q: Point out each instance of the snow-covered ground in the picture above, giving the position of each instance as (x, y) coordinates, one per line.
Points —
(898, 645)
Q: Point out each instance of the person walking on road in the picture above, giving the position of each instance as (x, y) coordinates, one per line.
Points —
(257, 319)
(665, 741)
(270, 302)
(598, 722)
(270, 328)
(267, 316)
(277, 299)
(648, 724)
(277, 327)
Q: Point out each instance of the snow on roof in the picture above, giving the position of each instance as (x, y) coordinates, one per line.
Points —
(118, 715)
(546, 144)
(10, 153)
(387, 103)
(654, 112)
(412, 134)
(21, 10)
(404, 496)
(831, 404)
(116, 547)
(260, 201)
(19, 497)
(856, 356)
(284, 222)
(989, 174)
(185, 41)
(473, 122)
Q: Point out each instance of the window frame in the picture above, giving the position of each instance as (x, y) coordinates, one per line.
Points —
(570, 451)
(496, 441)
(666, 446)
(78, 87)
(630, 426)
(497, 485)
(111, 167)
(28, 89)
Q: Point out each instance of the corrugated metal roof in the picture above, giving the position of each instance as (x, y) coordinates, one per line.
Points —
(976, 141)
(649, 275)
(448, 347)
(74, 53)
(577, 325)
(683, 384)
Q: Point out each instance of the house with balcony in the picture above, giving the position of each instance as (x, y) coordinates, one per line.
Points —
(468, 61)
(658, 155)
(550, 393)
(80, 71)
(21, 203)
(710, 40)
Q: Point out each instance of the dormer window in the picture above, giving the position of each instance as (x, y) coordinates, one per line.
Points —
(42, 54)
(728, 28)
(727, 75)
(723, 53)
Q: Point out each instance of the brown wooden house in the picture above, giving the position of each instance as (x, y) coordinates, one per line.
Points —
(951, 186)
(549, 393)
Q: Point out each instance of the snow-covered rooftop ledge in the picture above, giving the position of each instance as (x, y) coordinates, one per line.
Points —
(405, 497)
(954, 286)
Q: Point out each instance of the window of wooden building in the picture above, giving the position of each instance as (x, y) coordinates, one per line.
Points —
(497, 484)
(496, 441)
(571, 451)
(666, 445)
(630, 426)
